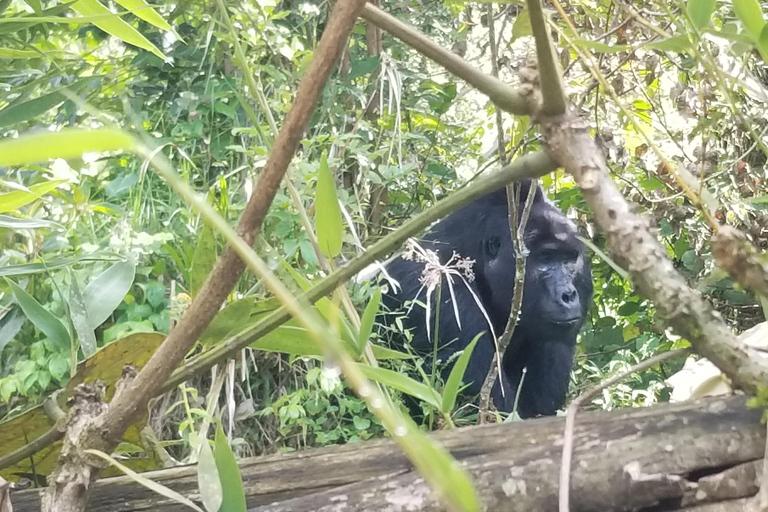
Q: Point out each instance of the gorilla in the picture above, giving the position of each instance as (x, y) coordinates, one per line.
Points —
(556, 296)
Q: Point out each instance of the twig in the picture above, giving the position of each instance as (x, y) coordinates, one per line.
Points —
(516, 232)
(570, 419)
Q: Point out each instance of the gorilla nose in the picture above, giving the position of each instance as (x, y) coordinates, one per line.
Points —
(569, 296)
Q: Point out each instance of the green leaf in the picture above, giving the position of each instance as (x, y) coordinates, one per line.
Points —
(105, 292)
(762, 43)
(113, 25)
(58, 365)
(328, 215)
(144, 11)
(15, 223)
(231, 480)
(750, 14)
(36, 268)
(366, 322)
(203, 260)
(402, 383)
(522, 26)
(16, 24)
(208, 481)
(78, 313)
(700, 12)
(12, 201)
(10, 53)
(363, 67)
(31, 109)
(679, 44)
(451, 390)
(11, 325)
(382, 353)
(41, 317)
(68, 143)
(233, 318)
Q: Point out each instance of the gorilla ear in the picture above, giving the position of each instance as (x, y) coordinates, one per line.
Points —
(491, 246)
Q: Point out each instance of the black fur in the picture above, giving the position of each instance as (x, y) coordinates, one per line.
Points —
(558, 290)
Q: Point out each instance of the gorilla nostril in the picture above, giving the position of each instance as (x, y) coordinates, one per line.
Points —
(569, 297)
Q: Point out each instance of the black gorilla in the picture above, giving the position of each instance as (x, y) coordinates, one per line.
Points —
(558, 290)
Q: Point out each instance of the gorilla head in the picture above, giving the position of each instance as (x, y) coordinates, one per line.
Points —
(556, 296)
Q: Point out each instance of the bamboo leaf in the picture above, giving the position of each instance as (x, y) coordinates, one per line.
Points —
(12, 201)
(328, 215)
(451, 389)
(30, 109)
(367, 321)
(402, 383)
(146, 482)
(144, 11)
(68, 143)
(115, 26)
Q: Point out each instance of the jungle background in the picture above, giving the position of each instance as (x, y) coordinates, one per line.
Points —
(105, 233)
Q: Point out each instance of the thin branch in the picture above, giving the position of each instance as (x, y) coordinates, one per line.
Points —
(504, 96)
(570, 419)
(551, 76)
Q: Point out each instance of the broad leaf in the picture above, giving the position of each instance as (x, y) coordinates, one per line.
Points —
(41, 317)
(68, 143)
(208, 481)
(700, 11)
(15, 223)
(12, 201)
(11, 326)
(750, 14)
(144, 11)
(114, 25)
(30, 109)
(233, 498)
(234, 318)
(104, 293)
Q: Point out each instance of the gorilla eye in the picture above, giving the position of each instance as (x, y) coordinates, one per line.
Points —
(492, 246)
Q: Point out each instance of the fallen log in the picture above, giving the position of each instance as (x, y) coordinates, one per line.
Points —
(666, 457)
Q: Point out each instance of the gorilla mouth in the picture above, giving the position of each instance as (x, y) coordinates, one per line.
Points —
(570, 322)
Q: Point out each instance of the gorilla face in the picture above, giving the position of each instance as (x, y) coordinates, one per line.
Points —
(558, 282)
